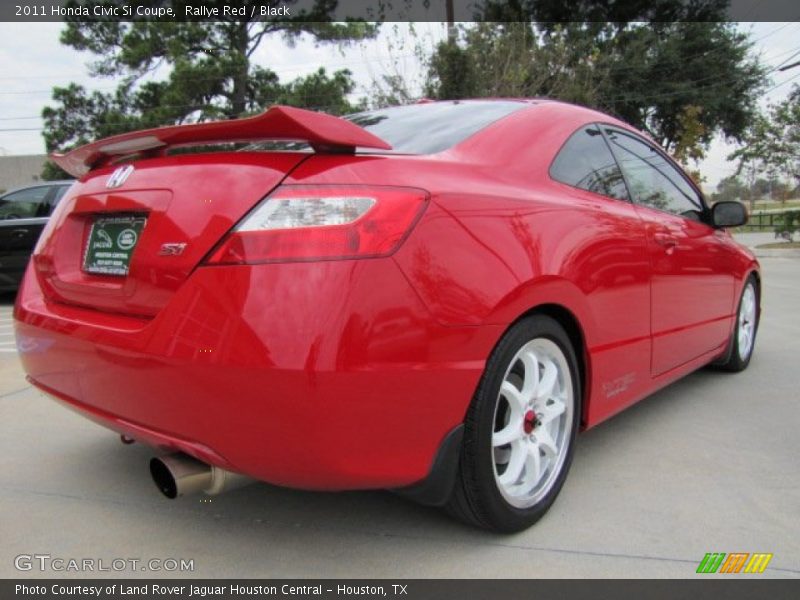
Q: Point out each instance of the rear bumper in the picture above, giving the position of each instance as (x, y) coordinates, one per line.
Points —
(328, 375)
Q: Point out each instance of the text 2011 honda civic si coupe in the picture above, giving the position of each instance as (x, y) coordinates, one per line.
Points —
(432, 299)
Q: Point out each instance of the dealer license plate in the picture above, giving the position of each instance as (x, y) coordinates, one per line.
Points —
(111, 243)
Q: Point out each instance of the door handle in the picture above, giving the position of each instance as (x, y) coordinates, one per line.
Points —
(666, 241)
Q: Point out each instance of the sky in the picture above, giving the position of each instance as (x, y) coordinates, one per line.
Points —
(32, 62)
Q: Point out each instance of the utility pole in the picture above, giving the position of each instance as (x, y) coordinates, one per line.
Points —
(451, 21)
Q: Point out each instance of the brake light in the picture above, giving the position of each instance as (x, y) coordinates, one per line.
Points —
(323, 222)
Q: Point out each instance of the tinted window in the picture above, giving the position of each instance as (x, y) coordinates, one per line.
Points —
(586, 162)
(432, 127)
(654, 182)
(60, 191)
(24, 204)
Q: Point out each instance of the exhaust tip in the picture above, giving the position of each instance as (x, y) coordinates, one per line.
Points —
(180, 475)
(163, 478)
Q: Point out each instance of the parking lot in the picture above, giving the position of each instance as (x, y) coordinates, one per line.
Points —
(709, 464)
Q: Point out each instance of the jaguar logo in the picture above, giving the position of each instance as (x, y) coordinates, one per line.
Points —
(119, 176)
(175, 249)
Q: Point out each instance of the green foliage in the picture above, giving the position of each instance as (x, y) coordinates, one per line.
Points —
(176, 72)
(318, 91)
(772, 143)
(789, 224)
(682, 82)
(455, 71)
(732, 188)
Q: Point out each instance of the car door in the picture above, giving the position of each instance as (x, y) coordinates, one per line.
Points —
(23, 214)
(609, 263)
(692, 283)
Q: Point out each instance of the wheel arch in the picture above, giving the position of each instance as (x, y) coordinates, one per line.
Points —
(575, 332)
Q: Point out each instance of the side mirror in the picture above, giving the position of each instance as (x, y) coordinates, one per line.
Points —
(728, 213)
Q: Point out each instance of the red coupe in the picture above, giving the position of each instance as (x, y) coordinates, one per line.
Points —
(432, 299)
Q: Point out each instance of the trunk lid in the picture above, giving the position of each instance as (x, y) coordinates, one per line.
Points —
(188, 202)
(160, 215)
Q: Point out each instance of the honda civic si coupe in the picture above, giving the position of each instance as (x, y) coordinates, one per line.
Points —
(432, 299)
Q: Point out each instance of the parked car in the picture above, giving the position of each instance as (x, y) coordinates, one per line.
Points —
(23, 213)
(432, 299)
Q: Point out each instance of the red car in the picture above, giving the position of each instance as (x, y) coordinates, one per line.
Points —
(432, 299)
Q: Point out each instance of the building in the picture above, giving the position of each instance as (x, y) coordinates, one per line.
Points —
(16, 171)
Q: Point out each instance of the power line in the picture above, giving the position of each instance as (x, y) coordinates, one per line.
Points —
(292, 69)
(780, 66)
(775, 87)
(791, 66)
(19, 118)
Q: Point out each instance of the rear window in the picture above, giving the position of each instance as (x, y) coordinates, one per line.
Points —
(432, 127)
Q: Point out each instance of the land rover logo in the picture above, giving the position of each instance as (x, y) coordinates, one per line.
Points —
(127, 239)
(119, 176)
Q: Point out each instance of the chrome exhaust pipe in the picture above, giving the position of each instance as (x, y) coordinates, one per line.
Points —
(180, 475)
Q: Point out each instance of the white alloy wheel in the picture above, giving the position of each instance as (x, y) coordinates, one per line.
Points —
(747, 321)
(533, 423)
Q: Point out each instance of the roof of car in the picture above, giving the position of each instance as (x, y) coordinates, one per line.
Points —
(40, 184)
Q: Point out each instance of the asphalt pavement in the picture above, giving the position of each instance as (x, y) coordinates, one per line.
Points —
(709, 464)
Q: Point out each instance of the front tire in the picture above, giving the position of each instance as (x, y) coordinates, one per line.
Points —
(743, 337)
(520, 429)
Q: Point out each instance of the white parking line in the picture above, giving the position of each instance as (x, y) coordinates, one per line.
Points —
(8, 344)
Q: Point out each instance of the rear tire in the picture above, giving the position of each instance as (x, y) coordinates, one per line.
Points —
(743, 337)
(520, 429)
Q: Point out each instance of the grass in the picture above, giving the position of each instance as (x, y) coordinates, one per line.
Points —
(773, 205)
(780, 245)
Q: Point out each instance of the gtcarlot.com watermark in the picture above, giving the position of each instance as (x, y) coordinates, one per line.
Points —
(56, 564)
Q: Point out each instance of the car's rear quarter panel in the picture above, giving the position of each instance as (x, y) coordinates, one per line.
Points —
(501, 238)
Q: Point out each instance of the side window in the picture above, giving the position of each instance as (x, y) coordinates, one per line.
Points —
(653, 181)
(24, 204)
(52, 200)
(586, 162)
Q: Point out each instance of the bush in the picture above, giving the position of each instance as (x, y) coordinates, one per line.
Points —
(789, 224)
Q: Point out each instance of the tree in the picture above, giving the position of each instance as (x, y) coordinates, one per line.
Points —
(209, 72)
(682, 77)
(730, 188)
(772, 144)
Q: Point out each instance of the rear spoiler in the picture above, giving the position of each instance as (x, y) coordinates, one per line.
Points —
(325, 133)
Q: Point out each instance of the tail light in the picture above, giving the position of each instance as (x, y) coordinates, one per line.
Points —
(323, 222)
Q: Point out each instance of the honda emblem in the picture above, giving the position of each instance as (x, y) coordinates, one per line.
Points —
(119, 176)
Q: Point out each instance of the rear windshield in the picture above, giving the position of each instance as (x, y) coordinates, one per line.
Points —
(432, 127)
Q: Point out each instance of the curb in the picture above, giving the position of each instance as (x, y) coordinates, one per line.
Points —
(775, 253)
